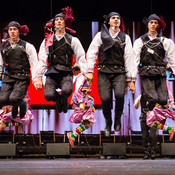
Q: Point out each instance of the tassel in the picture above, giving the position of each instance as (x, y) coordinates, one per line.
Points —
(162, 25)
(145, 21)
(69, 15)
(48, 34)
(24, 30)
(49, 24)
(70, 30)
(122, 27)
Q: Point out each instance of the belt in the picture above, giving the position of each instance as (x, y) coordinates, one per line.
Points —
(150, 67)
(18, 74)
(114, 66)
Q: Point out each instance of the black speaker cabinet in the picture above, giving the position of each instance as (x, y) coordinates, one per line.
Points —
(114, 149)
(168, 149)
(7, 149)
(58, 149)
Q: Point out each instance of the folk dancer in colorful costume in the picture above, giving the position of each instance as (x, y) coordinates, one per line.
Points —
(6, 118)
(115, 66)
(59, 46)
(156, 119)
(17, 57)
(83, 105)
(149, 52)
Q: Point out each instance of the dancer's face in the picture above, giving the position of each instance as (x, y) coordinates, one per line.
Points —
(114, 21)
(59, 22)
(13, 33)
(152, 25)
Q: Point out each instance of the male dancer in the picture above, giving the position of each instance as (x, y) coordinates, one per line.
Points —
(114, 67)
(58, 46)
(17, 56)
(150, 50)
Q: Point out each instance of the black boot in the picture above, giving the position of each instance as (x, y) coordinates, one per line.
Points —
(14, 111)
(59, 105)
(65, 104)
(146, 154)
(23, 108)
(107, 129)
(152, 153)
(117, 122)
(108, 119)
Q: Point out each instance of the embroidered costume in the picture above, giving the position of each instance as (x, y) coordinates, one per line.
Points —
(59, 50)
(17, 58)
(83, 105)
(114, 68)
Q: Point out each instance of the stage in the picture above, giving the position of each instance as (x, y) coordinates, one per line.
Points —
(87, 166)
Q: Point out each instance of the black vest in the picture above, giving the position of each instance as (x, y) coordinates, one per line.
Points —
(111, 60)
(16, 60)
(152, 57)
(60, 55)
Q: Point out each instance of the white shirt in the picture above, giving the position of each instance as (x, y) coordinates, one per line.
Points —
(128, 53)
(168, 45)
(77, 48)
(33, 61)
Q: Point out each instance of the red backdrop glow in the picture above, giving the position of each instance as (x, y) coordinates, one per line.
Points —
(37, 97)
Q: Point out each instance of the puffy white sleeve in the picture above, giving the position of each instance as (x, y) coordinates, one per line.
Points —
(43, 55)
(92, 51)
(79, 54)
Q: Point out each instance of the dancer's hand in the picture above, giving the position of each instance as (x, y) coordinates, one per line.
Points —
(137, 103)
(38, 85)
(131, 86)
(89, 77)
(173, 106)
(82, 106)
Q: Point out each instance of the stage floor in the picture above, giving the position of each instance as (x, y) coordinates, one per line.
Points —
(86, 166)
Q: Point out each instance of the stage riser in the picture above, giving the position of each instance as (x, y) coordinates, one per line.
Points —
(168, 149)
(7, 150)
(57, 149)
(114, 149)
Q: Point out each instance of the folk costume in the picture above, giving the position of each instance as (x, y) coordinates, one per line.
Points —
(154, 120)
(114, 69)
(17, 59)
(59, 51)
(150, 52)
(6, 118)
(157, 117)
(84, 116)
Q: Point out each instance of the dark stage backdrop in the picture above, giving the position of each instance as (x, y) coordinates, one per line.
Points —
(49, 119)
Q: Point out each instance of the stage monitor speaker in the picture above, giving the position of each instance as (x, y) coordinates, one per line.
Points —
(114, 149)
(7, 149)
(168, 149)
(58, 149)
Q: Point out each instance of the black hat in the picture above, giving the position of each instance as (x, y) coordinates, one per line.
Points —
(151, 17)
(14, 24)
(110, 15)
(62, 15)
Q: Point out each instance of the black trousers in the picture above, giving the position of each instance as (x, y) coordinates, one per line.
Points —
(148, 134)
(12, 93)
(62, 80)
(107, 82)
(154, 90)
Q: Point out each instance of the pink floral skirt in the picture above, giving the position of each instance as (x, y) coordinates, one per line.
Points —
(158, 114)
(8, 117)
(79, 116)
